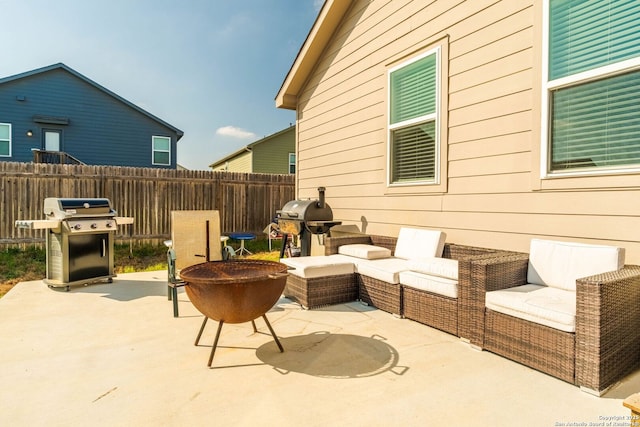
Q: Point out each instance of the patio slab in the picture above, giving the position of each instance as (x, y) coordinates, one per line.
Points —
(113, 355)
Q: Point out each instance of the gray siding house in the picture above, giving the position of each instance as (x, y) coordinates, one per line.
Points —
(55, 109)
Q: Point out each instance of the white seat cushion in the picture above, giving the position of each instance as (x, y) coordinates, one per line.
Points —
(319, 266)
(364, 251)
(443, 267)
(560, 264)
(426, 282)
(545, 305)
(419, 243)
(387, 269)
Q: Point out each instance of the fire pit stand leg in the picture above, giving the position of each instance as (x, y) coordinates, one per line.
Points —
(204, 322)
(221, 322)
(273, 333)
(215, 342)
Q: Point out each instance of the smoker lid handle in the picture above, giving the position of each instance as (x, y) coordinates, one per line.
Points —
(291, 214)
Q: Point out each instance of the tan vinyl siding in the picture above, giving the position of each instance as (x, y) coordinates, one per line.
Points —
(493, 195)
(240, 163)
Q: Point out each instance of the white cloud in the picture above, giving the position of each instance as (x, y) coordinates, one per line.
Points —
(235, 132)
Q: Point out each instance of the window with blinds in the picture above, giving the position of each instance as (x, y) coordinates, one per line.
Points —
(413, 105)
(594, 84)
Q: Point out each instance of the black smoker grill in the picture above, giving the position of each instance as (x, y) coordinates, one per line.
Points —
(80, 234)
(306, 217)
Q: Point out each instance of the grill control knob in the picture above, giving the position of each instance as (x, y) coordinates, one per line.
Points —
(109, 224)
(94, 225)
(77, 227)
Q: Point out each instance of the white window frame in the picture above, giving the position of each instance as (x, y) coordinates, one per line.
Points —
(430, 117)
(292, 163)
(154, 151)
(10, 139)
(609, 70)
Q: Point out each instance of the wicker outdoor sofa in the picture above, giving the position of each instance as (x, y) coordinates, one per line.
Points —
(449, 314)
(603, 348)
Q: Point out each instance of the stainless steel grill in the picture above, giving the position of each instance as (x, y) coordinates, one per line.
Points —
(79, 240)
(306, 217)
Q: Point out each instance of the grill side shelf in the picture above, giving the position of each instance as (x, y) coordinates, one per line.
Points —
(37, 224)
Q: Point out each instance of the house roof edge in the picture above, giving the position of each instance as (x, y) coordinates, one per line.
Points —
(70, 70)
(321, 32)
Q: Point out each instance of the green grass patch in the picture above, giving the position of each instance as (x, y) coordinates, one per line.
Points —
(26, 264)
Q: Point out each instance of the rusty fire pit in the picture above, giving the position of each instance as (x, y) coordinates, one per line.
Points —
(234, 291)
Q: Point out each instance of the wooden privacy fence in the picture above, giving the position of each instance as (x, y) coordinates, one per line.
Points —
(247, 202)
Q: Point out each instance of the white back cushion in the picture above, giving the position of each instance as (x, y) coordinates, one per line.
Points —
(560, 264)
(419, 243)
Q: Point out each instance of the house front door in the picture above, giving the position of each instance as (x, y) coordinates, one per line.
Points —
(52, 140)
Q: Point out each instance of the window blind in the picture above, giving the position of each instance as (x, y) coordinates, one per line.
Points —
(414, 152)
(413, 90)
(597, 124)
(584, 35)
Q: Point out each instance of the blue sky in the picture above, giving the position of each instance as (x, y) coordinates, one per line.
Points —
(211, 68)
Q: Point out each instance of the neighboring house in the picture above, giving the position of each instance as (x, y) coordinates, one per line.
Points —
(493, 121)
(275, 153)
(56, 109)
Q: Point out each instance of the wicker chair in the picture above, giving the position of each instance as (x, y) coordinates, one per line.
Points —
(604, 347)
(451, 315)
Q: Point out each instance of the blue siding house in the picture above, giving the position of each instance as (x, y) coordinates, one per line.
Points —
(56, 110)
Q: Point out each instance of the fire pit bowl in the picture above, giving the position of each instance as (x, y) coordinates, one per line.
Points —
(234, 291)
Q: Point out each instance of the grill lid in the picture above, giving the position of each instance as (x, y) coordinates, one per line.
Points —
(60, 208)
(306, 210)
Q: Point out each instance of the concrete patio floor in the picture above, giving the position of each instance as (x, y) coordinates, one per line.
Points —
(113, 355)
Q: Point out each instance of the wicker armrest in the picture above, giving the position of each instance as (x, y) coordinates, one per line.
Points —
(460, 252)
(502, 271)
(466, 255)
(384, 241)
(607, 327)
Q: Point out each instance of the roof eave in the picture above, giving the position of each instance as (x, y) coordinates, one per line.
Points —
(323, 28)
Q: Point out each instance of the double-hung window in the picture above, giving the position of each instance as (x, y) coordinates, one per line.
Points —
(5, 140)
(292, 162)
(592, 86)
(161, 150)
(414, 148)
